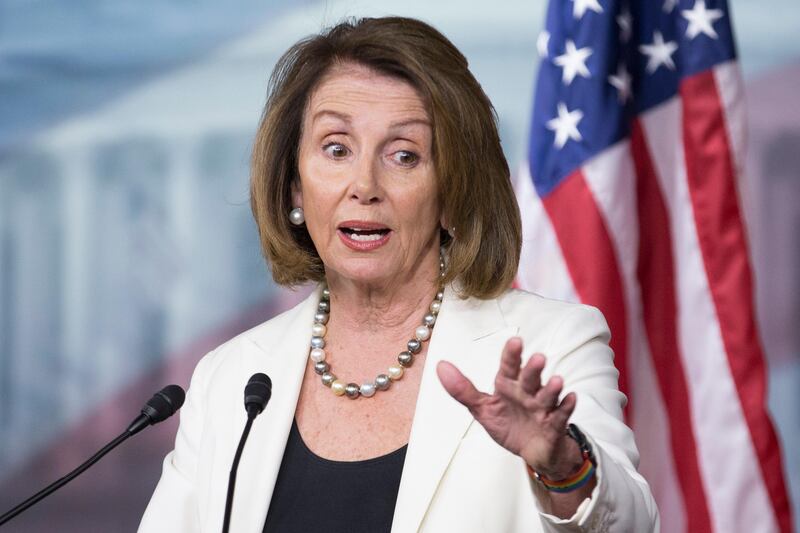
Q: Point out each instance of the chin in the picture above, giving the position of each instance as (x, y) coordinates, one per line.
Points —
(368, 276)
(365, 270)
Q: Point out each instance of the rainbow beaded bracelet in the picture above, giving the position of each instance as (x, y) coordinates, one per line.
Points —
(574, 482)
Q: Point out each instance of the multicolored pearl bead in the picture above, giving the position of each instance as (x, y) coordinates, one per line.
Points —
(382, 382)
(338, 387)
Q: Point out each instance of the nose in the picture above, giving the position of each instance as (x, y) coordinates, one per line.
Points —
(365, 187)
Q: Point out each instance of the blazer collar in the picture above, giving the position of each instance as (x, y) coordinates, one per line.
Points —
(283, 357)
(468, 332)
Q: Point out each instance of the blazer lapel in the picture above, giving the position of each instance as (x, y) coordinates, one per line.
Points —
(284, 361)
(469, 333)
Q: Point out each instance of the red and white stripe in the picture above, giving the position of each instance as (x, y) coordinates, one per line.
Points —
(651, 232)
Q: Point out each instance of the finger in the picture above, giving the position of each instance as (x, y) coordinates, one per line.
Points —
(560, 416)
(547, 397)
(505, 380)
(531, 376)
(511, 360)
(459, 386)
(508, 388)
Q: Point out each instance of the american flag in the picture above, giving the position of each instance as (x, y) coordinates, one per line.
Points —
(629, 202)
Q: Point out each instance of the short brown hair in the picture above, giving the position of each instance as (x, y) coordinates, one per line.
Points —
(473, 177)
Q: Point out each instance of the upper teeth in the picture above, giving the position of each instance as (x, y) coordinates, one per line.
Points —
(367, 237)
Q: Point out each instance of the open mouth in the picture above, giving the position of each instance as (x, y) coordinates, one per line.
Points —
(364, 235)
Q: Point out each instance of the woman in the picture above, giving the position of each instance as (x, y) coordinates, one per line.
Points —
(378, 173)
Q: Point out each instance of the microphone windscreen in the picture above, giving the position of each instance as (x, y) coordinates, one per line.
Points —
(164, 403)
(258, 391)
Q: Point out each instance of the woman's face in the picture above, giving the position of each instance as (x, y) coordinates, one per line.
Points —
(367, 180)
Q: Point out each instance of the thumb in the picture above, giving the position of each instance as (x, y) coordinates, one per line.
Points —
(458, 386)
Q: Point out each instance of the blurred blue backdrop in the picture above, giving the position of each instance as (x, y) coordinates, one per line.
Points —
(127, 247)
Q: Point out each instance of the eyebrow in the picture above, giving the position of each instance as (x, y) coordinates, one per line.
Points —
(410, 122)
(325, 112)
(347, 119)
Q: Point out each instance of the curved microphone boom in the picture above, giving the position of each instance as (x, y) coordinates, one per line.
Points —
(257, 393)
(161, 406)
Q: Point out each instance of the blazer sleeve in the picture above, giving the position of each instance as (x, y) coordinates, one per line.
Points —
(174, 506)
(621, 501)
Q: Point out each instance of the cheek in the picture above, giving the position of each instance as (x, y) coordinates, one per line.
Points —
(427, 196)
(421, 211)
(310, 169)
(319, 188)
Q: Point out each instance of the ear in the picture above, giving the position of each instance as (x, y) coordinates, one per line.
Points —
(445, 224)
(297, 193)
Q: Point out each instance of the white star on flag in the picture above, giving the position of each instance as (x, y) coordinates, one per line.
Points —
(625, 22)
(622, 82)
(701, 20)
(565, 125)
(573, 62)
(542, 42)
(581, 6)
(669, 5)
(659, 53)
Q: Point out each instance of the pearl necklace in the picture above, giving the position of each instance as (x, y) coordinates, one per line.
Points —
(382, 381)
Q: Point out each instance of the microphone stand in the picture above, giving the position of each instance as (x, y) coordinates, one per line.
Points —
(64, 480)
(234, 467)
(161, 406)
(256, 396)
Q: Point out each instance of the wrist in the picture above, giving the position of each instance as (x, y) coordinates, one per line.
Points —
(566, 462)
(562, 475)
(581, 478)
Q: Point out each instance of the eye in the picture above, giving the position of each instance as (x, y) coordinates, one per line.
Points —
(405, 158)
(336, 150)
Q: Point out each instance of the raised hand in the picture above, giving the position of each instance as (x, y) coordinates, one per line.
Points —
(522, 415)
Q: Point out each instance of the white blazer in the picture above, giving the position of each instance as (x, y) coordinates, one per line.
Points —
(455, 477)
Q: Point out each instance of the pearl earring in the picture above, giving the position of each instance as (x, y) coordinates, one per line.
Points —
(296, 216)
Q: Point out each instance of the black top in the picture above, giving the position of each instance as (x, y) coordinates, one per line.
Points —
(316, 494)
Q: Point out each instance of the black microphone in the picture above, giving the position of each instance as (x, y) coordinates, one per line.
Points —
(257, 393)
(161, 406)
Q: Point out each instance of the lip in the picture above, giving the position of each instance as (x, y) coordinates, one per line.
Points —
(362, 246)
(361, 224)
